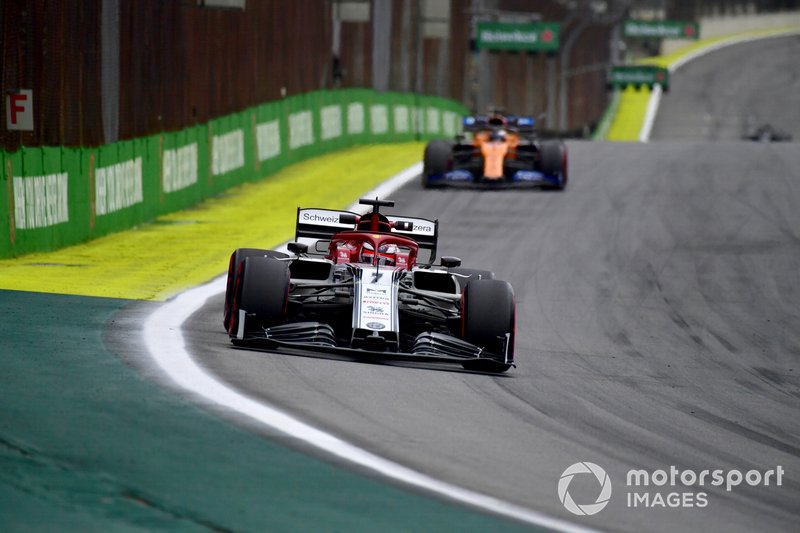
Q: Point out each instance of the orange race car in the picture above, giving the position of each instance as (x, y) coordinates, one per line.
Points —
(496, 151)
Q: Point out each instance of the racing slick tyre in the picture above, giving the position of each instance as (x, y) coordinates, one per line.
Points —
(554, 161)
(438, 154)
(262, 291)
(488, 319)
(236, 260)
(473, 274)
(237, 257)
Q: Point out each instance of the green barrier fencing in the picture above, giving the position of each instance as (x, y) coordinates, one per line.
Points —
(55, 196)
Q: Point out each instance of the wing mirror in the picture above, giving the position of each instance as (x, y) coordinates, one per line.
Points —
(297, 248)
(450, 261)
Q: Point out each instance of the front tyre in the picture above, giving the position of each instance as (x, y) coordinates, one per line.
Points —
(236, 260)
(554, 161)
(488, 321)
(437, 160)
(261, 293)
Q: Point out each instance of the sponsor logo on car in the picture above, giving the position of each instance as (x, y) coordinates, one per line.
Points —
(315, 217)
(371, 290)
(459, 175)
(527, 175)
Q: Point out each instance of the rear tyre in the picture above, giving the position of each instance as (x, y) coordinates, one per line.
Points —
(488, 318)
(236, 260)
(438, 155)
(554, 161)
(473, 273)
(262, 292)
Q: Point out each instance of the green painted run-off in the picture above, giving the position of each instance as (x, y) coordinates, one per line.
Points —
(88, 444)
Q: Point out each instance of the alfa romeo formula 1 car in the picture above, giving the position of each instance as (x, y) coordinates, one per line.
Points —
(496, 151)
(365, 286)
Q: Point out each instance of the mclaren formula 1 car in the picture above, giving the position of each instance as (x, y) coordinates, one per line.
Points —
(365, 286)
(496, 151)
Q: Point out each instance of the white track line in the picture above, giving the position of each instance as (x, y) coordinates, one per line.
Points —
(650, 113)
(165, 344)
(655, 94)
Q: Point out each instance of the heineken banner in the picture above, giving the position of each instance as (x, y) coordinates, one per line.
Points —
(638, 75)
(661, 29)
(536, 36)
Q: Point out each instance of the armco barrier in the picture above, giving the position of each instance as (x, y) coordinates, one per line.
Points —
(55, 196)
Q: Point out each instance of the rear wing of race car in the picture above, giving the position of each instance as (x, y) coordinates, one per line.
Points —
(316, 227)
(484, 122)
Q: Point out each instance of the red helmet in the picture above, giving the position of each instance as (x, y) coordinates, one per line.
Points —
(387, 254)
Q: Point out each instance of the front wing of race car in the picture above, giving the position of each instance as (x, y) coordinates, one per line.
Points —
(314, 338)
(520, 179)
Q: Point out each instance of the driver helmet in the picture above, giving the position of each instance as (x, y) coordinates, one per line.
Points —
(497, 120)
(387, 254)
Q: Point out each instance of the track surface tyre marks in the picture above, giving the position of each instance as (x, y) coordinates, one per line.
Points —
(657, 325)
(732, 91)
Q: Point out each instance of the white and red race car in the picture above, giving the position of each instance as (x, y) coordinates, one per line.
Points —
(365, 286)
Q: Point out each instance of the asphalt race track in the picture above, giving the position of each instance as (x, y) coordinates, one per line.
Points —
(734, 91)
(658, 324)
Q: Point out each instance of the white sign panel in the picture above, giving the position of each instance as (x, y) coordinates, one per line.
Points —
(301, 129)
(379, 119)
(227, 152)
(355, 118)
(268, 138)
(118, 186)
(40, 201)
(331, 122)
(401, 119)
(433, 120)
(19, 110)
(179, 168)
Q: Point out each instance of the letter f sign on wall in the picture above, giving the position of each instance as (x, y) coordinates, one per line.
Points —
(19, 110)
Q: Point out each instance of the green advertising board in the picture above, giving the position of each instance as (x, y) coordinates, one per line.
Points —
(534, 37)
(661, 29)
(56, 196)
(638, 76)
